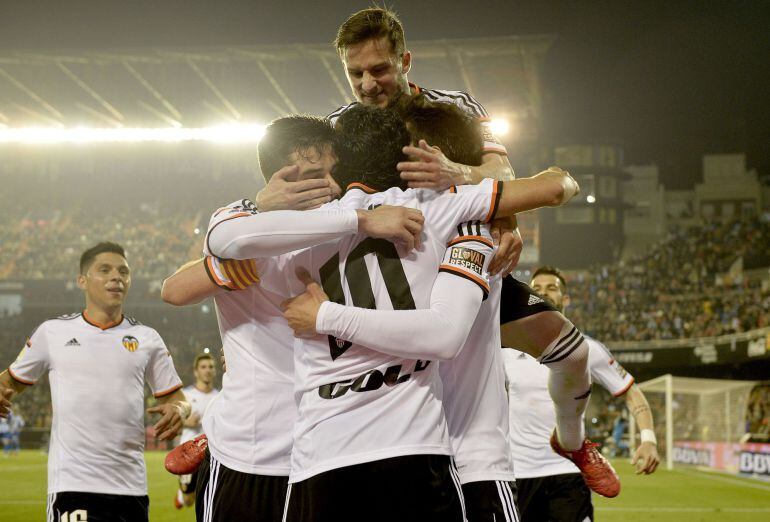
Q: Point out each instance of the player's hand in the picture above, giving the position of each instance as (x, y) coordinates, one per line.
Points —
(429, 168)
(281, 194)
(170, 422)
(568, 183)
(301, 311)
(509, 244)
(5, 401)
(396, 224)
(646, 458)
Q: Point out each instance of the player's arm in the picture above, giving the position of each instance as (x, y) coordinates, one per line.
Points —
(491, 200)
(646, 458)
(428, 167)
(9, 388)
(435, 333)
(240, 234)
(608, 372)
(190, 284)
(32, 362)
(173, 409)
(552, 187)
(438, 332)
(208, 277)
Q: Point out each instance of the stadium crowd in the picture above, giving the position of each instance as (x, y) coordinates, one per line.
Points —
(675, 290)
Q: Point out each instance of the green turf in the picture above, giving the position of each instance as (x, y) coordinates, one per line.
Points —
(682, 495)
(23, 489)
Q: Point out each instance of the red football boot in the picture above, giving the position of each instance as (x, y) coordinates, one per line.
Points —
(597, 472)
(185, 458)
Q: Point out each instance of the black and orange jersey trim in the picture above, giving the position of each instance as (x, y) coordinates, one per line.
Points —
(470, 239)
(467, 275)
(102, 326)
(624, 390)
(361, 186)
(468, 232)
(167, 392)
(19, 379)
(497, 192)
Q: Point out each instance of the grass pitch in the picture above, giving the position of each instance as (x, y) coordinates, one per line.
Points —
(681, 495)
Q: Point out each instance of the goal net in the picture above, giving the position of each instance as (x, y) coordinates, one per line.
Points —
(698, 422)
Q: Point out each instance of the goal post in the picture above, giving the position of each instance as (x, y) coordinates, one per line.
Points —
(698, 421)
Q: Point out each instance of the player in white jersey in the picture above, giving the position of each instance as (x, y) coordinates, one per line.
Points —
(550, 487)
(249, 426)
(98, 362)
(376, 61)
(474, 396)
(323, 454)
(199, 395)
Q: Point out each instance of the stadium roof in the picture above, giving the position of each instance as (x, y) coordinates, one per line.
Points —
(195, 87)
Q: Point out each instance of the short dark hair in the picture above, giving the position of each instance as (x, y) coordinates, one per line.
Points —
(87, 257)
(444, 125)
(201, 357)
(369, 146)
(551, 270)
(369, 24)
(297, 133)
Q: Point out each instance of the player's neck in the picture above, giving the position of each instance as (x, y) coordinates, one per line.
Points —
(202, 386)
(103, 317)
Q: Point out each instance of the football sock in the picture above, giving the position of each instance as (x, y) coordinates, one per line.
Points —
(569, 384)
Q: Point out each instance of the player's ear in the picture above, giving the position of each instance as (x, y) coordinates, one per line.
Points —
(565, 300)
(81, 281)
(406, 62)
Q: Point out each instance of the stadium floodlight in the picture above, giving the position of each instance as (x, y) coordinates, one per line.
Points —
(231, 133)
(591, 198)
(499, 126)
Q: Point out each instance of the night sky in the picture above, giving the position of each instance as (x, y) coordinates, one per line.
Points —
(669, 81)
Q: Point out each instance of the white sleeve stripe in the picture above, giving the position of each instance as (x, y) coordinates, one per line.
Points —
(467, 102)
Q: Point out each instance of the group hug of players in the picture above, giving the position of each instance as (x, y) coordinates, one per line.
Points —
(362, 310)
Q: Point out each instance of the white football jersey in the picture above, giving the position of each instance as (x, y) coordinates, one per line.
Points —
(357, 405)
(97, 377)
(249, 424)
(475, 401)
(199, 401)
(461, 99)
(532, 416)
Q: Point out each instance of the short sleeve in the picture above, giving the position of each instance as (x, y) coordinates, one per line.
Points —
(235, 210)
(472, 106)
(33, 359)
(606, 370)
(160, 374)
(459, 205)
(231, 274)
(469, 253)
